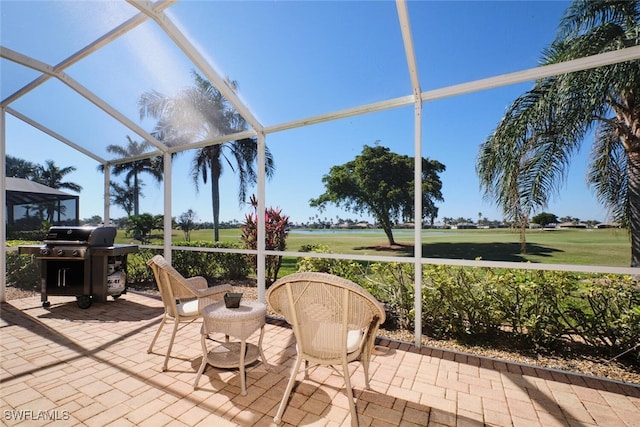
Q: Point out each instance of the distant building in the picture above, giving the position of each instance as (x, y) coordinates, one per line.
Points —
(572, 225)
(440, 225)
(363, 224)
(464, 226)
(608, 225)
(29, 203)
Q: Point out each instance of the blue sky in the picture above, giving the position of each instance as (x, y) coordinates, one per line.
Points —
(292, 60)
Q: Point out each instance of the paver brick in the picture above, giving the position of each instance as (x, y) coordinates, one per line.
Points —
(104, 376)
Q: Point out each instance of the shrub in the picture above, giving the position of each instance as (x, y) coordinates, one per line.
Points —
(603, 311)
(276, 232)
(137, 270)
(545, 307)
(349, 270)
(211, 264)
(549, 307)
(321, 265)
(140, 226)
(393, 284)
(34, 235)
(191, 263)
(23, 270)
(460, 301)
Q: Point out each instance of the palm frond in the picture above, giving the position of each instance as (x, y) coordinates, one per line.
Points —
(607, 172)
(584, 15)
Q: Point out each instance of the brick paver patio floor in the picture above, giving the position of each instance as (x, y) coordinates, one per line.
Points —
(67, 366)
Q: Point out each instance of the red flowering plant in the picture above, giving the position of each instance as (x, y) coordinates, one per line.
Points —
(276, 232)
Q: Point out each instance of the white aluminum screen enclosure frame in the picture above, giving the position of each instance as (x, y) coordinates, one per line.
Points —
(155, 12)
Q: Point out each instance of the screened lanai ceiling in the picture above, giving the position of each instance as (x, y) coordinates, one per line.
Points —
(110, 52)
(70, 62)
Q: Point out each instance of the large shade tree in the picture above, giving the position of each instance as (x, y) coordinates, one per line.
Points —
(525, 160)
(132, 171)
(200, 113)
(381, 183)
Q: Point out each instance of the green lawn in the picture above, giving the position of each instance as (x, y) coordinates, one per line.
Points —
(594, 247)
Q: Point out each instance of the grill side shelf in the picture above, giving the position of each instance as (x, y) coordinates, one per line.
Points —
(114, 250)
(29, 249)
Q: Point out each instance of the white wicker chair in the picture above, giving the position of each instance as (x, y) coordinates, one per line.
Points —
(334, 320)
(183, 298)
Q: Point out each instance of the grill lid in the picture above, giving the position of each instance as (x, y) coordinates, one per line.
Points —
(90, 236)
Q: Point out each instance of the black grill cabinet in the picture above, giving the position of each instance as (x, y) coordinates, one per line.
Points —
(83, 262)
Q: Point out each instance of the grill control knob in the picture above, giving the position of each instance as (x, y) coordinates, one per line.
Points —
(60, 252)
(75, 252)
(45, 251)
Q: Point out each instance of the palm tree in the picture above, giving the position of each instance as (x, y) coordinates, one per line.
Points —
(526, 159)
(20, 168)
(52, 176)
(199, 113)
(124, 195)
(132, 170)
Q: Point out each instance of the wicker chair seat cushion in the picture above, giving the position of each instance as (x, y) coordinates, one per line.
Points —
(188, 308)
(324, 339)
(354, 338)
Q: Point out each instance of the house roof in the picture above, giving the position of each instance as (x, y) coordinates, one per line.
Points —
(23, 191)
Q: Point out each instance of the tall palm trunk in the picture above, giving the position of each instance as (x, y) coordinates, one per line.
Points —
(633, 170)
(629, 119)
(136, 195)
(522, 221)
(215, 204)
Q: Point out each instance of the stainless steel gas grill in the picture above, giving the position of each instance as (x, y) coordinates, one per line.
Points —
(83, 262)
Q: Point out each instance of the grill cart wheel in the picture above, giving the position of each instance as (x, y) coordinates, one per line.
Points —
(83, 301)
(46, 304)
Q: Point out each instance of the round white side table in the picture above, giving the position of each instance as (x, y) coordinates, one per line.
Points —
(239, 323)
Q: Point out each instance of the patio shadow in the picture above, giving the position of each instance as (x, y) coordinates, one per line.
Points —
(128, 311)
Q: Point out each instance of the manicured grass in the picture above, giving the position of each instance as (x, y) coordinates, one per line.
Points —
(587, 247)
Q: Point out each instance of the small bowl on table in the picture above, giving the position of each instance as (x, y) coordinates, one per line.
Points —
(232, 299)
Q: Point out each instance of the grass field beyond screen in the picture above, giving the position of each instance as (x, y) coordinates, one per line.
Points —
(587, 247)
